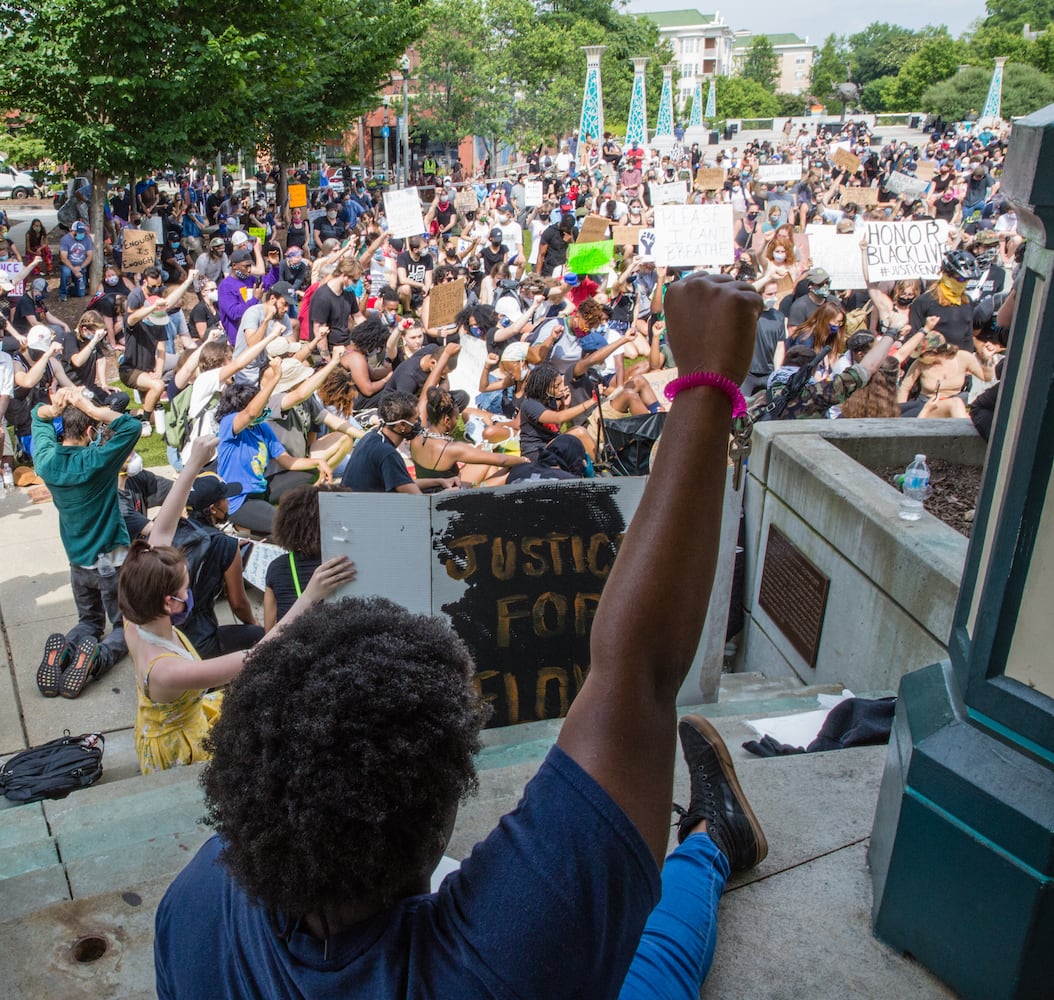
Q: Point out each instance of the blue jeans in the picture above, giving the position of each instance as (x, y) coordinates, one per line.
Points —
(677, 946)
(65, 277)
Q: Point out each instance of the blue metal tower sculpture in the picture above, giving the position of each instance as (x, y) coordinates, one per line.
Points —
(637, 126)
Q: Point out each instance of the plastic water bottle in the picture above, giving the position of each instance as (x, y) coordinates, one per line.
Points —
(9, 479)
(915, 485)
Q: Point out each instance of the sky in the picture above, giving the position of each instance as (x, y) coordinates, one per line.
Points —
(818, 18)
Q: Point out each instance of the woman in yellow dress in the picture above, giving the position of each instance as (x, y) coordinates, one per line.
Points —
(175, 707)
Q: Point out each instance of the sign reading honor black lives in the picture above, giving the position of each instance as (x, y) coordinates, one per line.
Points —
(517, 571)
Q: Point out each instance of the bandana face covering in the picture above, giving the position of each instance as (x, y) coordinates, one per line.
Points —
(952, 289)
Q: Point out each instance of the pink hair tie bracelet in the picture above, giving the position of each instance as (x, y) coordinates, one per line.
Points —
(726, 385)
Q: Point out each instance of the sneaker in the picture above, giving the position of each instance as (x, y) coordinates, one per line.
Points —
(49, 673)
(146, 430)
(81, 666)
(717, 797)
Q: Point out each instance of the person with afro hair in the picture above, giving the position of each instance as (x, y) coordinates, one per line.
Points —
(347, 743)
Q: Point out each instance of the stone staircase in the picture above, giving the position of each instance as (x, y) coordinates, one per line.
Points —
(80, 878)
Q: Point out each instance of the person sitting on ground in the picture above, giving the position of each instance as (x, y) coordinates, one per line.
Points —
(370, 342)
(376, 466)
(296, 529)
(546, 408)
(247, 444)
(82, 479)
(562, 458)
(175, 709)
(319, 883)
(437, 455)
(941, 371)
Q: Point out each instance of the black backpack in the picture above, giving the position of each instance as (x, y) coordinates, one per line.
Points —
(53, 770)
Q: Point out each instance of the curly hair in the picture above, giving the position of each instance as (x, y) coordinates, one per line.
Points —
(879, 397)
(591, 313)
(370, 335)
(234, 398)
(339, 391)
(342, 752)
(296, 524)
(484, 315)
(441, 404)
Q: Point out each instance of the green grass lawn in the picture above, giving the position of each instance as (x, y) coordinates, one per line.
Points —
(151, 449)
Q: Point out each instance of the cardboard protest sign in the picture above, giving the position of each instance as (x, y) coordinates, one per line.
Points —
(589, 258)
(905, 185)
(845, 160)
(403, 211)
(140, 250)
(594, 229)
(925, 170)
(623, 235)
(298, 196)
(258, 233)
(675, 193)
(898, 250)
(709, 178)
(532, 193)
(465, 200)
(838, 254)
(445, 301)
(687, 235)
(865, 197)
(777, 173)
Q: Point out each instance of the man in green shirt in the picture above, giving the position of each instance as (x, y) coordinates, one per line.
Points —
(82, 477)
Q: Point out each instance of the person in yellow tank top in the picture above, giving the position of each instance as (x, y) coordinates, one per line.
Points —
(175, 706)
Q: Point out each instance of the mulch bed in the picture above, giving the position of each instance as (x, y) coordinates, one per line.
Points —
(953, 491)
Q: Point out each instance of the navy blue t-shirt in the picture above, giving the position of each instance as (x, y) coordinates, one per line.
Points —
(551, 904)
(375, 466)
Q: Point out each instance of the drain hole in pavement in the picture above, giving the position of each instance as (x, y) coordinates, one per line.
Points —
(89, 949)
(132, 898)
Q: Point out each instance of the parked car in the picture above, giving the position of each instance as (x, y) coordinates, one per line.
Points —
(16, 183)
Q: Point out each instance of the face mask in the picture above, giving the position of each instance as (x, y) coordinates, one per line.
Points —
(39, 299)
(779, 256)
(181, 616)
(904, 300)
(78, 236)
(476, 331)
(135, 465)
(357, 288)
(112, 280)
(212, 296)
(4, 256)
(770, 303)
(952, 288)
(834, 328)
(821, 290)
(35, 354)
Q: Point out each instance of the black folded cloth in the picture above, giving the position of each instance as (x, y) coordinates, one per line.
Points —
(855, 722)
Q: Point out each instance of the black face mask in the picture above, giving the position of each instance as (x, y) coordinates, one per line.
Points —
(35, 354)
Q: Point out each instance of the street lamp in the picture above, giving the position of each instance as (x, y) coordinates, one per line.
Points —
(404, 65)
(385, 132)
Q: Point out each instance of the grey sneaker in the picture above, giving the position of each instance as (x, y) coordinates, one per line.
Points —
(717, 797)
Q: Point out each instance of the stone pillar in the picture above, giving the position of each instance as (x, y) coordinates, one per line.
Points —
(637, 124)
(592, 122)
(962, 849)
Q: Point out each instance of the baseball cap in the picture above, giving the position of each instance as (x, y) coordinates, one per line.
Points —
(571, 280)
(279, 348)
(217, 241)
(495, 233)
(39, 337)
(79, 227)
(238, 238)
(239, 255)
(39, 285)
(208, 489)
(516, 351)
(818, 276)
(285, 290)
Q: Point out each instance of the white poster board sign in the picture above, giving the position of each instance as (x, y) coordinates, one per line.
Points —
(778, 173)
(838, 254)
(403, 211)
(9, 269)
(688, 235)
(898, 250)
(675, 193)
(646, 246)
(470, 363)
(906, 185)
(533, 193)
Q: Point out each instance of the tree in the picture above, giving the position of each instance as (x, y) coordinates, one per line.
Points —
(791, 105)
(936, 60)
(872, 94)
(881, 49)
(22, 149)
(113, 88)
(1015, 14)
(738, 97)
(761, 63)
(1025, 89)
(829, 69)
(982, 46)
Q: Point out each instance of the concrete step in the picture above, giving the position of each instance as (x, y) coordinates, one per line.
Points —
(130, 827)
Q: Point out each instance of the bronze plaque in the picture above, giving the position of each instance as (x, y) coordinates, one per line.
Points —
(793, 593)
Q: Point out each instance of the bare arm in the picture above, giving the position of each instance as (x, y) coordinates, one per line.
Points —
(621, 726)
(268, 380)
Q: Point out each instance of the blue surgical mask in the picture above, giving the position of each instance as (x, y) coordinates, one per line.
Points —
(188, 605)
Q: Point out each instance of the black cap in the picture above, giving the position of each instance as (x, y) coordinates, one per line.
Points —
(209, 489)
(285, 290)
(240, 255)
(496, 233)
